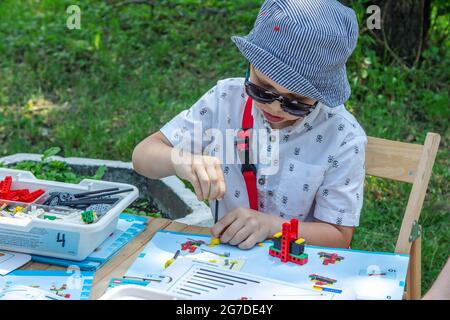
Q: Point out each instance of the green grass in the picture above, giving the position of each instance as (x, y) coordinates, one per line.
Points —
(98, 91)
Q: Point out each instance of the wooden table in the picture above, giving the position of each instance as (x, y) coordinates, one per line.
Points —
(119, 264)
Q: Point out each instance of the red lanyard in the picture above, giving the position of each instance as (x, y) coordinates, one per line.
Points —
(248, 169)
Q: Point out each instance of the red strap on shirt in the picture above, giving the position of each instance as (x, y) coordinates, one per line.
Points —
(247, 119)
(250, 182)
(248, 169)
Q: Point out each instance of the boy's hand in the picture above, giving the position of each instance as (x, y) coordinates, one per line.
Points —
(205, 174)
(243, 227)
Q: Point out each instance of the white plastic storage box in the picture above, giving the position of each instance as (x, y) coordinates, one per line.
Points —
(58, 231)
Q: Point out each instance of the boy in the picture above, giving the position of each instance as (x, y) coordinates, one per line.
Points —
(294, 91)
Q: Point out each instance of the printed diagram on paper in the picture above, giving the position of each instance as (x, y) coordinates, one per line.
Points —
(197, 280)
(46, 285)
(338, 272)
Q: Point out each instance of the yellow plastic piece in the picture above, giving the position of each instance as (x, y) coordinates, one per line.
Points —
(300, 241)
(213, 261)
(260, 244)
(18, 209)
(214, 241)
(278, 234)
(317, 288)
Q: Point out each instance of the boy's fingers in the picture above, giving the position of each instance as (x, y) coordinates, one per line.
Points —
(223, 189)
(241, 235)
(232, 230)
(249, 242)
(197, 188)
(213, 179)
(203, 179)
(221, 177)
(220, 226)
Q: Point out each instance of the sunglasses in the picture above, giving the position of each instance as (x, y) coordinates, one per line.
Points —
(288, 105)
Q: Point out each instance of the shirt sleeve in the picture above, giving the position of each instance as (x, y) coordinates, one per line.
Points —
(340, 198)
(186, 130)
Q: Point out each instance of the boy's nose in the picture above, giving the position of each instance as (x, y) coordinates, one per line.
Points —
(275, 109)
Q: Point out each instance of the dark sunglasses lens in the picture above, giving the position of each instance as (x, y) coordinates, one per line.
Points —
(258, 93)
(296, 109)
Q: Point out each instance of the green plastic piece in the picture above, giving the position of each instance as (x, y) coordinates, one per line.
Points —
(88, 216)
(302, 256)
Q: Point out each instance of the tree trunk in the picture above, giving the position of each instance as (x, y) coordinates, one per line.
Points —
(404, 27)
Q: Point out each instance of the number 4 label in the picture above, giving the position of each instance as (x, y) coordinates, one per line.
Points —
(61, 237)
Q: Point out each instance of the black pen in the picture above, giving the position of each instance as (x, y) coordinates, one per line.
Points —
(216, 213)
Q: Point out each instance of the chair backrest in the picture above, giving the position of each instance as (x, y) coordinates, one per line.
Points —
(406, 162)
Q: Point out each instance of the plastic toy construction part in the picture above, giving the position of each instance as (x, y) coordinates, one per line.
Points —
(35, 212)
(12, 211)
(21, 195)
(191, 245)
(287, 246)
(225, 254)
(330, 258)
(214, 242)
(321, 280)
(89, 216)
(86, 200)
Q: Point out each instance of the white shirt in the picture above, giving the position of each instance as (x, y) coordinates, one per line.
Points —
(321, 157)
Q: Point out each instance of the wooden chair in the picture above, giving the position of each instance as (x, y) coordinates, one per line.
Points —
(411, 163)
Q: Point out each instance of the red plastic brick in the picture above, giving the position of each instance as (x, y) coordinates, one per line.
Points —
(6, 185)
(22, 192)
(32, 196)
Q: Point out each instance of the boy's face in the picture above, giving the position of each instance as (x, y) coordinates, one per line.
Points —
(277, 118)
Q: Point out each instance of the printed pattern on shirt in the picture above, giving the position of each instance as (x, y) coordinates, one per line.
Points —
(321, 158)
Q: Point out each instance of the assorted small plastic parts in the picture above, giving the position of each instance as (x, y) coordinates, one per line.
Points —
(11, 209)
(20, 195)
(287, 246)
(54, 214)
(99, 201)
(59, 205)
(56, 204)
(18, 210)
(57, 219)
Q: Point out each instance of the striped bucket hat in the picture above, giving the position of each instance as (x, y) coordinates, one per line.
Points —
(303, 45)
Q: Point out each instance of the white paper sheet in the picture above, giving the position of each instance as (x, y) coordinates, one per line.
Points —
(10, 261)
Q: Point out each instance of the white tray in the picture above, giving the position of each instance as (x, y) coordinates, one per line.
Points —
(59, 238)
